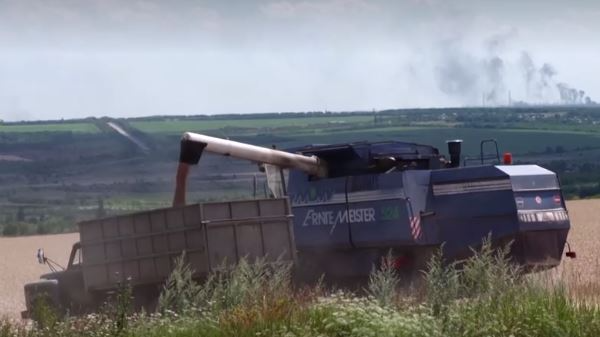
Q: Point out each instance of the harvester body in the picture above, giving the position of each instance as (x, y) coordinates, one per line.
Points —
(418, 205)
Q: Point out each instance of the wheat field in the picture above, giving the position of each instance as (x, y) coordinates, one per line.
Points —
(581, 275)
(18, 263)
(584, 238)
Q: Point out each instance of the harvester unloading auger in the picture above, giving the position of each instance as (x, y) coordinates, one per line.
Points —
(193, 144)
(336, 210)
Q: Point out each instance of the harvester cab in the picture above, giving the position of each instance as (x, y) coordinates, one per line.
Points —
(354, 202)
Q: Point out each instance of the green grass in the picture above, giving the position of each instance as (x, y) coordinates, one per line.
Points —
(50, 127)
(486, 297)
(179, 126)
(552, 126)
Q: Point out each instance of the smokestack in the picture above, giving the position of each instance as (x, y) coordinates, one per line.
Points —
(454, 149)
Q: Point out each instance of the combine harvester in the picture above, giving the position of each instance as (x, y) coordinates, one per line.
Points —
(336, 210)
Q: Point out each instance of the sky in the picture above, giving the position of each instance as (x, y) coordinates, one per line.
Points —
(80, 58)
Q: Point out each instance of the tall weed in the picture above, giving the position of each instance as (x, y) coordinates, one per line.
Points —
(180, 291)
(442, 282)
(489, 271)
(483, 296)
(245, 284)
(384, 281)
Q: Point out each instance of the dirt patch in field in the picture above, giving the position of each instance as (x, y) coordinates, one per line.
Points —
(18, 265)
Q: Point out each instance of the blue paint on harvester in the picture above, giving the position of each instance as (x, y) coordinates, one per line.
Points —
(375, 189)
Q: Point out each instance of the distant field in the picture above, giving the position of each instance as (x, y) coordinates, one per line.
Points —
(50, 127)
(280, 131)
(514, 140)
(179, 126)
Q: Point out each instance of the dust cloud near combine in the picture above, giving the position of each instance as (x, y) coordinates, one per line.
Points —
(19, 264)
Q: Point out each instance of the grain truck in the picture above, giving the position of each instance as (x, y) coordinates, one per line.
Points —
(335, 210)
(139, 250)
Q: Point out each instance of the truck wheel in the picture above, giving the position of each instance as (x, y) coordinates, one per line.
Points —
(42, 300)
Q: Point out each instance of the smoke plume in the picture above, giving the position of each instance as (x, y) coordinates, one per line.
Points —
(572, 96)
(490, 78)
(494, 73)
(541, 86)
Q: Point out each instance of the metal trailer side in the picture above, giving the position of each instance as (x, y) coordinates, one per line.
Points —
(142, 247)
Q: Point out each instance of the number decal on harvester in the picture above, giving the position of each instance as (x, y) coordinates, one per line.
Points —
(390, 213)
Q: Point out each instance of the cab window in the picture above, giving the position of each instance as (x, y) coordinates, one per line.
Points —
(75, 259)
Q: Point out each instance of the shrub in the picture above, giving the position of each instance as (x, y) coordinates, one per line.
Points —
(484, 296)
(346, 315)
(489, 272)
(45, 314)
(442, 284)
(180, 291)
(245, 284)
(383, 282)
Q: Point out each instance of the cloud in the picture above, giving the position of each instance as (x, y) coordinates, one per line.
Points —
(286, 9)
(69, 58)
(65, 23)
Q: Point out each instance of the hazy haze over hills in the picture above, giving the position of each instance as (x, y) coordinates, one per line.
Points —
(69, 58)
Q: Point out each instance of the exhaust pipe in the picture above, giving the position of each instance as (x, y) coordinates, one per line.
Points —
(454, 149)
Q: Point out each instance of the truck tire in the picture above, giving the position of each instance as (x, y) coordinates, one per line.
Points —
(43, 292)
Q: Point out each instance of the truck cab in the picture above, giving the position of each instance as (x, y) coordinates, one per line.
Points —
(60, 288)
